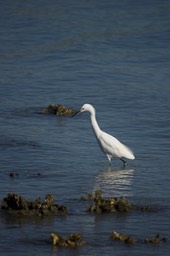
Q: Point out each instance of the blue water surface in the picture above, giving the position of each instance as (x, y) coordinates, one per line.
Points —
(114, 55)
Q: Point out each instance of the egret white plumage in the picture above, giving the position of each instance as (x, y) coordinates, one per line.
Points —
(110, 146)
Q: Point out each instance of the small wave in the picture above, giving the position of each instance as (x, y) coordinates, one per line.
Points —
(11, 142)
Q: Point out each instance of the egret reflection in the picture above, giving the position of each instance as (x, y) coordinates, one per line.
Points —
(115, 183)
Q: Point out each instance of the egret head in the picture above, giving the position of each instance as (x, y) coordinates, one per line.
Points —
(86, 107)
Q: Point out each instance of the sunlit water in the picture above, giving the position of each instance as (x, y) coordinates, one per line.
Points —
(114, 55)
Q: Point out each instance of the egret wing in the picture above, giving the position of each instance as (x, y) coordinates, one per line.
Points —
(112, 146)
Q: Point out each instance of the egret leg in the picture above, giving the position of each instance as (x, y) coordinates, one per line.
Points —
(124, 162)
(110, 160)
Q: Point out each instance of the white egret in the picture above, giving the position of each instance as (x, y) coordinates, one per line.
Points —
(110, 146)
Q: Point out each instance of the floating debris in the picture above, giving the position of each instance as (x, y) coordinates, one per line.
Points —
(13, 174)
(18, 205)
(102, 204)
(73, 240)
(60, 110)
(147, 208)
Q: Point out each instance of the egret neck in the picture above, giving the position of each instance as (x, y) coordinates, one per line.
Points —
(94, 123)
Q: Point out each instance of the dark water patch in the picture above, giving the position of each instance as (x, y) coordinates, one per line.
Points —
(7, 142)
(25, 174)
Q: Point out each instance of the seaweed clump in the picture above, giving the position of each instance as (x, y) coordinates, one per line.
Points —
(102, 204)
(73, 240)
(16, 204)
(60, 110)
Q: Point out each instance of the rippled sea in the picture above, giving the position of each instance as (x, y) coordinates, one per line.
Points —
(116, 56)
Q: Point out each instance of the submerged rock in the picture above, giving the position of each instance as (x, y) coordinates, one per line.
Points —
(60, 110)
(74, 240)
(102, 204)
(18, 205)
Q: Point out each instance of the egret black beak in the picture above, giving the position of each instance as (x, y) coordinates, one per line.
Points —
(76, 113)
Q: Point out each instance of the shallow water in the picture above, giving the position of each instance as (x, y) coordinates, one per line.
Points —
(114, 55)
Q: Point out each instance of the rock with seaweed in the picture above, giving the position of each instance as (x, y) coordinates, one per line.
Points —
(60, 110)
(17, 204)
(156, 240)
(101, 204)
(73, 240)
(131, 240)
(123, 237)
